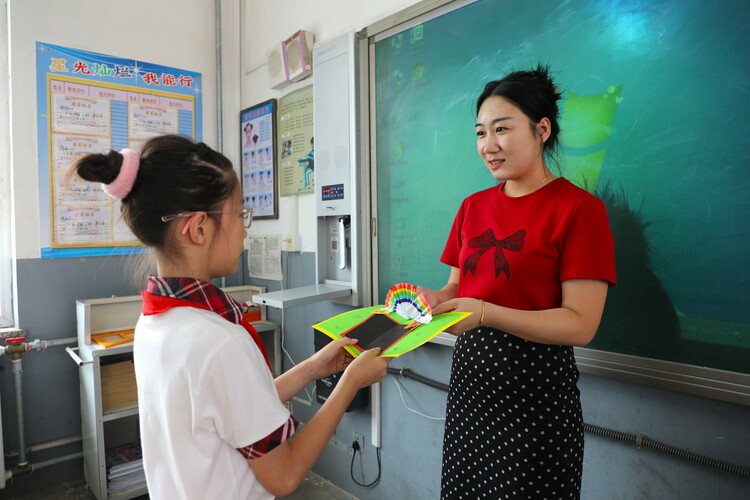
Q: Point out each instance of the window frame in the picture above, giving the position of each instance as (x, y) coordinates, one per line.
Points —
(7, 312)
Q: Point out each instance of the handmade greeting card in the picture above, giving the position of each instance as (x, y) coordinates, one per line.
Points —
(402, 324)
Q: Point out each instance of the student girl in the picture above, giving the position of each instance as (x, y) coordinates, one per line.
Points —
(531, 258)
(212, 419)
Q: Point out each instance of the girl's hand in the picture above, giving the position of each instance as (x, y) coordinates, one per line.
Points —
(332, 358)
(367, 368)
(464, 304)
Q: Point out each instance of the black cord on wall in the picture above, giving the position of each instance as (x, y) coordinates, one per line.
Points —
(355, 449)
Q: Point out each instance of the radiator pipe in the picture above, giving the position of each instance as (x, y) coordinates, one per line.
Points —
(57, 460)
(46, 445)
(640, 441)
(15, 351)
(29, 468)
(17, 372)
(36, 345)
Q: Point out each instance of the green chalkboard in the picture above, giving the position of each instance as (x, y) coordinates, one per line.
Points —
(655, 122)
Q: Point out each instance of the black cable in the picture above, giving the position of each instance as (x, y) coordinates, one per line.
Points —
(640, 441)
(407, 373)
(355, 449)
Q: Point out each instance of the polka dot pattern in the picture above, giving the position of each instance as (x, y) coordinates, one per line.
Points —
(513, 424)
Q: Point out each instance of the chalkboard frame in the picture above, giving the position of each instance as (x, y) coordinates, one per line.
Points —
(686, 378)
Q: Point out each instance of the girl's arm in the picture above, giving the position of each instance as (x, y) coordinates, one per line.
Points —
(284, 468)
(573, 323)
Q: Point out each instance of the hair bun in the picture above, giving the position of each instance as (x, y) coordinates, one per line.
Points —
(123, 183)
(203, 149)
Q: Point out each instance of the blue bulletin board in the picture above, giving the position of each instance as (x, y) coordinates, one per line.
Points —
(653, 122)
(87, 103)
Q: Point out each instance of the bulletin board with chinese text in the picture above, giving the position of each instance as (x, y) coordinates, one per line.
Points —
(92, 103)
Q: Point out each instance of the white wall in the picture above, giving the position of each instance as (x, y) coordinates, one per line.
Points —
(177, 33)
(266, 23)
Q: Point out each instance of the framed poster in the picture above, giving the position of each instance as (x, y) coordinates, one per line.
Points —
(296, 143)
(259, 165)
(91, 103)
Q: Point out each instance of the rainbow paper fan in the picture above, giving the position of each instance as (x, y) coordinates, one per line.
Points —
(402, 299)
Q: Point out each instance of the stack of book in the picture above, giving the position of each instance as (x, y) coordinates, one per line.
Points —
(124, 467)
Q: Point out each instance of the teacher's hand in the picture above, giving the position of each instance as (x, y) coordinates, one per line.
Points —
(464, 304)
(433, 297)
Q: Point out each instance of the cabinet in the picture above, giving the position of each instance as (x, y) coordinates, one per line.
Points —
(106, 426)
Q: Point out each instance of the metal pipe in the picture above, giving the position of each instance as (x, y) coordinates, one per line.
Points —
(47, 445)
(36, 345)
(59, 342)
(219, 97)
(17, 372)
(15, 352)
(219, 114)
(72, 353)
(29, 468)
(57, 460)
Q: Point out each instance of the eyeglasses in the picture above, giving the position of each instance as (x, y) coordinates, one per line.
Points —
(247, 216)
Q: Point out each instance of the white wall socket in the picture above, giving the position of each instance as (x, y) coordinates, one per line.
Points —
(290, 243)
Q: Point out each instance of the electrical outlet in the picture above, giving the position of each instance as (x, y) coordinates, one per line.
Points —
(359, 438)
(290, 243)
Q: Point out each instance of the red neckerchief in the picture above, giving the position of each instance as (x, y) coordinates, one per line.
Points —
(162, 294)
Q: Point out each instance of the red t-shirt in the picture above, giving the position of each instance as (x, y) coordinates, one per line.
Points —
(516, 252)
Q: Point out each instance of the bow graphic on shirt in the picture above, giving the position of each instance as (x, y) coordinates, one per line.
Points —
(487, 240)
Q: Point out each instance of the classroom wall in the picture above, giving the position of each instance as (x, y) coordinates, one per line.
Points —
(265, 24)
(169, 32)
(411, 443)
(176, 33)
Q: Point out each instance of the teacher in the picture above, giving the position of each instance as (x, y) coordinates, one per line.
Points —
(532, 259)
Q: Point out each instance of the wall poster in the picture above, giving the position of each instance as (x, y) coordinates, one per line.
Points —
(296, 142)
(88, 103)
(258, 134)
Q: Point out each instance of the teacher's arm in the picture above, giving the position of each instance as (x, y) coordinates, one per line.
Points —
(448, 292)
(573, 323)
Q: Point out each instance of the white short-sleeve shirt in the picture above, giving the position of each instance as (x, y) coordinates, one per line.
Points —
(204, 390)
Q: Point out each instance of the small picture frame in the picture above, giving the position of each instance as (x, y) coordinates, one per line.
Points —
(258, 159)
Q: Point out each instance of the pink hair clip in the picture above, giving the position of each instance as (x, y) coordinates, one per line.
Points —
(123, 183)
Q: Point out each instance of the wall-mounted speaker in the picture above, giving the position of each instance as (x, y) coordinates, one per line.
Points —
(298, 55)
(275, 66)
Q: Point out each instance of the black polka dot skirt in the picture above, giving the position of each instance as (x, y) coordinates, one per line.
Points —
(513, 425)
